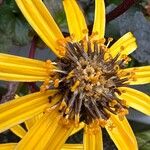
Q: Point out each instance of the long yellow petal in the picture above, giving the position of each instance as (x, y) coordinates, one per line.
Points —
(29, 123)
(60, 136)
(92, 140)
(15, 68)
(121, 134)
(42, 22)
(76, 21)
(136, 99)
(18, 110)
(38, 131)
(141, 75)
(10, 146)
(21, 60)
(18, 130)
(77, 129)
(72, 147)
(125, 45)
(47, 133)
(99, 19)
(20, 78)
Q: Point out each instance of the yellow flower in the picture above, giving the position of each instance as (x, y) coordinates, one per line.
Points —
(88, 83)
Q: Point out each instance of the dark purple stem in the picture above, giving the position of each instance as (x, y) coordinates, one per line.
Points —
(31, 85)
(120, 9)
(1, 2)
(33, 47)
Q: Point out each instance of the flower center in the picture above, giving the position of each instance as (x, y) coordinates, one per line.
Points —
(89, 83)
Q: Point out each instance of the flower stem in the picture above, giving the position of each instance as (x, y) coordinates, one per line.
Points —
(120, 9)
(33, 47)
(31, 85)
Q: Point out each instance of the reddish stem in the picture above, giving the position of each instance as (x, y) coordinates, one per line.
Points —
(120, 9)
(1, 2)
(33, 47)
(31, 85)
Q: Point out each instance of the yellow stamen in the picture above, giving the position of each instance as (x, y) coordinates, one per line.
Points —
(77, 119)
(70, 75)
(109, 41)
(74, 87)
(56, 83)
(42, 88)
(67, 110)
(62, 105)
(102, 122)
(113, 103)
(122, 113)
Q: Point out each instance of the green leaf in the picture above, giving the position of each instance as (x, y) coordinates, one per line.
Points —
(143, 139)
(21, 32)
(14, 30)
(7, 20)
(114, 1)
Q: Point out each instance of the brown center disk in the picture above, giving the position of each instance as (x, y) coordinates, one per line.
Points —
(91, 83)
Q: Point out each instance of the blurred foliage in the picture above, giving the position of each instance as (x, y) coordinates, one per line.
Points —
(15, 30)
(144, 140)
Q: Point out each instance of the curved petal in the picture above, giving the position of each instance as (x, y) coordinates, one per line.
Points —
(125, 45)
(99, 19)
(29, 123)
(76, 22)
(10, 146)
(141, 75)
(47, 133)
(121, 134)
(42, 22)
(136, 99)
(18, 110)
(72, 147)
(77, 129)
(15, 68)
(92, 140)
(18, 130)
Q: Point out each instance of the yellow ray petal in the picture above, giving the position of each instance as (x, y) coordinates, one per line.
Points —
(18, 110)
(10, 146)
(72, 147)
(29, 123)
(18, 130)
(37, 132)
(125, 45)
(121, 134)
(77, 129)
(15, 68)
(47, 133)
(42, 22)
(59, 136)
(99, 19)
(20, 78)
(92, 140)
(141, 75)
(76, 21)
(136, 99)
(21, 60)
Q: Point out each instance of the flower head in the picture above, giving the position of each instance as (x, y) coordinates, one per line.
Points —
(88, 82)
